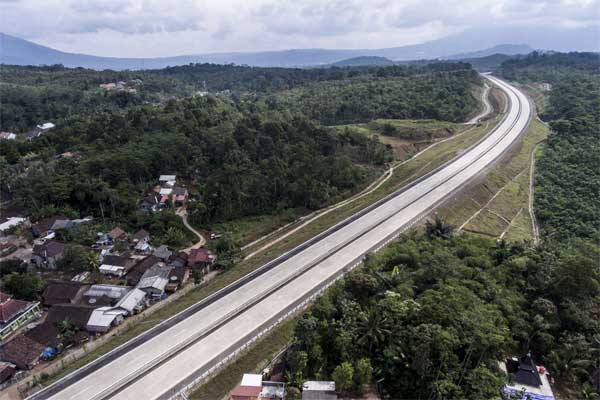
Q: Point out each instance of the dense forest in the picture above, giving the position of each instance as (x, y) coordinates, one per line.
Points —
(239, 157)
(432, 314)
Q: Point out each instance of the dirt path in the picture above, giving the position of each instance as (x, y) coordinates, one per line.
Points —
(486, 205)
(304, 221)
(487, 107)
(182, 212)
(534, 224)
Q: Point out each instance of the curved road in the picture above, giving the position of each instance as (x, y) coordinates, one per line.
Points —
(196, 341)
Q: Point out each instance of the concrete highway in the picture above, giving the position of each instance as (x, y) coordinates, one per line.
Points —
(161, 365)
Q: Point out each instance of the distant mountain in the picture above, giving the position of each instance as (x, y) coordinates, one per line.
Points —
(363, 61)
(467, 44)
(506, 49)
(488, 63)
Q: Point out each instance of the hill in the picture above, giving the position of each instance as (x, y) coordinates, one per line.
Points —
(363, 61)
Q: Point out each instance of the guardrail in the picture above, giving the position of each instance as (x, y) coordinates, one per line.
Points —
(242, 281)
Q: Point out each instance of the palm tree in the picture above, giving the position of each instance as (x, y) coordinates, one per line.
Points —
(565, 363)
(438, 228)
(373, 328)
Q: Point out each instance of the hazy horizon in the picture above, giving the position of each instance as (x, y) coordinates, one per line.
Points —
(137, 28)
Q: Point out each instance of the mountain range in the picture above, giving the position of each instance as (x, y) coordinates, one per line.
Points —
(465, 45)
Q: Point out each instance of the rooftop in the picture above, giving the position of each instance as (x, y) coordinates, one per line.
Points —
(10, 308)
(61, 292)
(321, 386)
(21, 350)
(201, 255)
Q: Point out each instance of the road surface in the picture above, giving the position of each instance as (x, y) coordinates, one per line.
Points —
(161, 365)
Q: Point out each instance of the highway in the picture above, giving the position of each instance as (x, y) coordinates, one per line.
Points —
(159, 366)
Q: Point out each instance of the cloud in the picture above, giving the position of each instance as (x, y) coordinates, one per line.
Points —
(159, 28)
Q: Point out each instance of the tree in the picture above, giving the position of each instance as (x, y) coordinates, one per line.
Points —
(373, 328)
(363, 372)
(77, 259)
(23, 286)
(342, 375)
(438, 228)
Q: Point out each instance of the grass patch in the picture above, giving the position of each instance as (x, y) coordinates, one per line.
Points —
(253, 360)
(510, 177)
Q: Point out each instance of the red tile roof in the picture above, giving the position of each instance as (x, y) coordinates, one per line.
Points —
(21, 351)
(246, 392)
(201, 255)
(10, 307)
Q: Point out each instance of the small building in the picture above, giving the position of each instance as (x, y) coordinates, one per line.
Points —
(48, 254)
(46, 334)
(163, 252)
(15, 313)
(525, 376)
(253, 387)
(141, 242)
(105, 294)
(117, 234)
(202, 259)
(180, 195)
(133, 302)
(167, 180)
(319, 390)
(21, 351)
(11, 222)
(62, 224)
(116, 265)
(63, 293)
(154, 280)
(78, 315)
(152, 202)
(46, 126)
(104, 318)
(135, 274)
(7, 136)
(7, 371)
(177, 278)
(178, 260)
(44, 227)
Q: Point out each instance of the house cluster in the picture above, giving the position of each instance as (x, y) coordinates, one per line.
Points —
(255, 387)
(122, 86)
(525, 379)
(40, 130)
(164, 195)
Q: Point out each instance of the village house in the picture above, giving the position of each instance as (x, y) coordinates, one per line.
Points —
(21, 351)
(178, 260)
(15, 313)
(7, 371)
(178, 276)
(39, 130)
(11, 222)
(167, 180)
(135, 274)
(104, 295)
(48, 254)
(180, 196)
(62, 293)
(77, 314)
(117, 234)
(7, 136)
(319, 390)
(201, 259)
(46, 334)
(525, 377)
(104, 318)
(253, 387)
(116, 265)
(163, 252)
(133, 302)
(141, 241)
(44, 227)
(154, 280)
(152, 202)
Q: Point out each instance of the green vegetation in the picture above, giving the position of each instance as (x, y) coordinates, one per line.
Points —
(253, 360)
(433, 316)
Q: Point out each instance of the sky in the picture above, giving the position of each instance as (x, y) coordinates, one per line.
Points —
(153, 28)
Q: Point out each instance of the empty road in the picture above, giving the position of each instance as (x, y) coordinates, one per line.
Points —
(161, 365)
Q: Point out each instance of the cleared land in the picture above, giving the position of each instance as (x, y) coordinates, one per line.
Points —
(497, 206)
